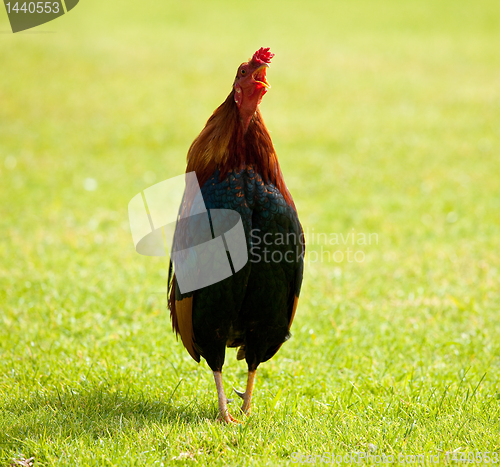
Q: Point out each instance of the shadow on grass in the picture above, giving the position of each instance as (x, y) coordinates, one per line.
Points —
(93, 413)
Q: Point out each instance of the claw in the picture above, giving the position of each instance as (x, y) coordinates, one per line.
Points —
(239, 393)
(227, 418)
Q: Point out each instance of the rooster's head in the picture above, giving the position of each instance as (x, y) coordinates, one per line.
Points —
(250, 84)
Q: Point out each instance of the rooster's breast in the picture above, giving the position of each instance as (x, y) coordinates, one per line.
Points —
(261, 294)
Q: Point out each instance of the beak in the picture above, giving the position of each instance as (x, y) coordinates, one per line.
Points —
(259, 75)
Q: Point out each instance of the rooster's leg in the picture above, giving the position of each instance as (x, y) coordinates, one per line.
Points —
(247, 395)
(224, 415)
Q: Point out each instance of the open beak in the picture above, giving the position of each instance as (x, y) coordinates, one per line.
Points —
(259, 75)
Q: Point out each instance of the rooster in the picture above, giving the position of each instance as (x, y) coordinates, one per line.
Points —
(237, 168)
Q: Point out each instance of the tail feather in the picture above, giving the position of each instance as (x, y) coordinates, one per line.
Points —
(241, 353)
(171, 299)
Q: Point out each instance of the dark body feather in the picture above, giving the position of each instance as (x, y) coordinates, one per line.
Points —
(254, 308)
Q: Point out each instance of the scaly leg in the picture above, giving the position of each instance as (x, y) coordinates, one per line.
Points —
(247, 395)
(224, 415)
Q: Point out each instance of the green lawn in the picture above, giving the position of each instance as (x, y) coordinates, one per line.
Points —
(386, 119)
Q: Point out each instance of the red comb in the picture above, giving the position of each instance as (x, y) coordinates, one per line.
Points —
(262, 56)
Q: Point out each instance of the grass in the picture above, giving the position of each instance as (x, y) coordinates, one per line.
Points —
(386, 120)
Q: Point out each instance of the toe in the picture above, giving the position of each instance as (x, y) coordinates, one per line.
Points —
(227, 418)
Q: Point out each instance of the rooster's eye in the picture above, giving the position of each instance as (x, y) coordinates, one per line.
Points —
(243, 72)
